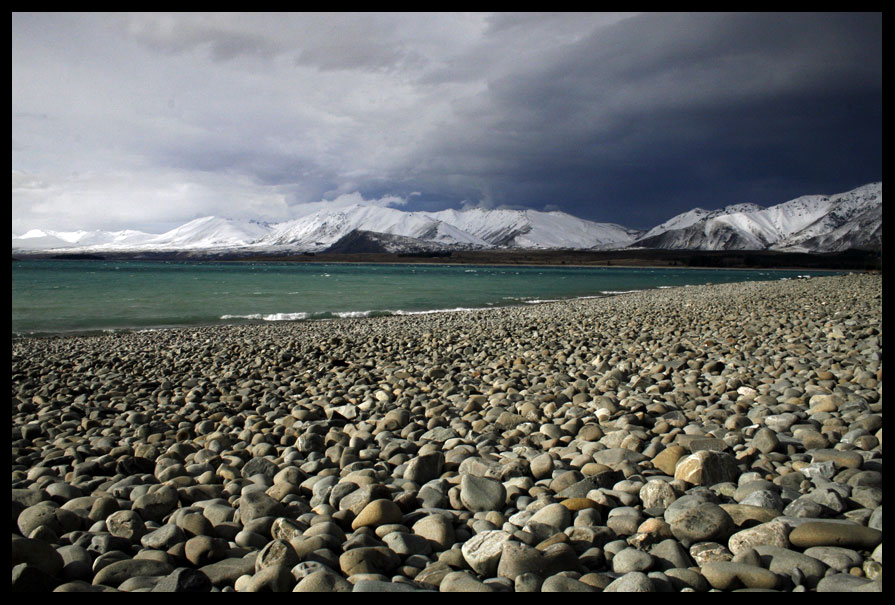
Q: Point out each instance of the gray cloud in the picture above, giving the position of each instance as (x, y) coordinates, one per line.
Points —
(624, 118)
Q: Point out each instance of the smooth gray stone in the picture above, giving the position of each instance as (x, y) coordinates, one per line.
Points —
(226, 571)
(670, 554)
(138, 584)
(405, 544)
(461, 581)
(37, 553)
(255, 505)
(482, 493)
(382, 586)
(705, 522)
(321, 580)
(843, 582)
(632, 559)
(82, 586)
(561, 583)
(116, 573)
(28, 578)
(184, 579)
(77, 563)
(837, 557)
(783, 560)
(634, 581)
(164, 537)
(517, 559)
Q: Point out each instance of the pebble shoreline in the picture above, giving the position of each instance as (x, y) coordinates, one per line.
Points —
(708, 438)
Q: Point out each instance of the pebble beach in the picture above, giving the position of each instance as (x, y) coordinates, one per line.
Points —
(706, 438)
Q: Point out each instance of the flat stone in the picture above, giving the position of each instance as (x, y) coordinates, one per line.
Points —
(578, 504)
(156, 505)
(847, 535)
(376, 513)
(666, 460)
(276, 552)
(461, 581)
(183, 579)
(561, 583)
(424, 468)
(518, 558)
(164, 537)
(624, 520)
(383, 586)
(604, 479)
(139, 584)
(28, 578)
(77, 563)
(783, 560)
(274, 578)
(703, 523)
(635, 581)
(482, 551)
(772, 533)
(670, 554)
(407, 544)
(116, 573)
(37, 553)
(745, 513)
(681, 578)
(437, 529)
(842, 582)
(49, 515)
(257, 504)
(631, 559)
(841, 458)
(202, 550)
(482, 493)
(368, 559)
(126, 524)
(707, 468)
(657, 494)
(324, 580)
(704, 552)
(548, 521)
(727, 575)
(839, 558)
(227, 571)
(82, 586)
(542, 466)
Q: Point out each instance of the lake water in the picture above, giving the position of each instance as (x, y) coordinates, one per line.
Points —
(70, 296)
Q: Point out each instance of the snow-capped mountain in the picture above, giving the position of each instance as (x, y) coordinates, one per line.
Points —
(210, 232)
(534, 229)
(810, 223)
(319, 231)
(37, 239)
(814, 223)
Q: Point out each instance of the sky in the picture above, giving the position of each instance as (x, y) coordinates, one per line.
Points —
(147, 121)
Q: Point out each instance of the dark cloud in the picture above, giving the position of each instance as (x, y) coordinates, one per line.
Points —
(665, 112)
(619, 118)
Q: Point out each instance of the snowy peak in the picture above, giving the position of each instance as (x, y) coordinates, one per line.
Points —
(535, 229)
(37, 239)
(813, 223)
(322, 229)
(805, 223)
(210, 232)
(561, 230)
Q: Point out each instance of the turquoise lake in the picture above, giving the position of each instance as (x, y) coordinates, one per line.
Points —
(74, 296)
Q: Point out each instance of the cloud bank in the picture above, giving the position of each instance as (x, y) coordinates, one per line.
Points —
(149, 120)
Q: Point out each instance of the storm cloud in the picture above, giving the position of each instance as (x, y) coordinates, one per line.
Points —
(146, 121)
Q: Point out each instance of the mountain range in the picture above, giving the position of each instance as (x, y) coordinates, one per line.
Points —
(811, 223)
